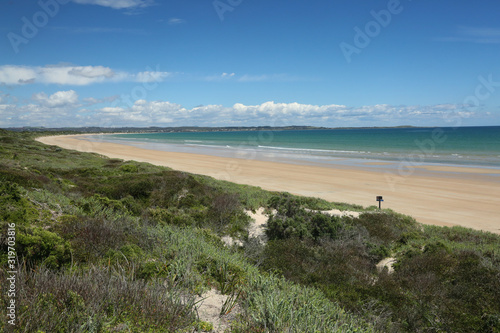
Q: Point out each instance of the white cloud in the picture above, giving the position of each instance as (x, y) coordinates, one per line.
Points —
(17, 74)
(60, 74)
(55, 110)
(152, 76)
(92, 72)
(73, 75)
(93, 101)
(117, 4)
(78, 75)
(220, 77)
(175, 21)
(112, 110)
(478, 35)
(159, 113)
(65, 74)
(58, 99)
(63, 108)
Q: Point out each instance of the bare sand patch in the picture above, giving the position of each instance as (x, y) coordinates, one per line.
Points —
(259, 218)
(386, 263)
(209, 310)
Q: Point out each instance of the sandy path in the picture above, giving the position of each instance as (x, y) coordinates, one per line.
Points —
(468, 197)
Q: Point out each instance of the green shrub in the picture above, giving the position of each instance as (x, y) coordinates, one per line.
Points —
(36, 245)
(387, 227)
(303, 225)
(204, 326)
(14, 207)
(129, 168)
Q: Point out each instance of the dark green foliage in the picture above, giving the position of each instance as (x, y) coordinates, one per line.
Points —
(387, 227)
(15, 207)
(287, 202)
(33, 243)
(304, 225)
(129, 168)
(37, 245)
(22, 177)
(293, 220)
(450, 291)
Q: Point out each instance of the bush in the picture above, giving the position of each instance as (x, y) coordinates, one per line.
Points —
(387, 227)
(129, 168)
(14, 207)
(95, 237)
(302, 225)
(36, 245)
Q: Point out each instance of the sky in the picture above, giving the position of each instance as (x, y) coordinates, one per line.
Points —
(142, 63)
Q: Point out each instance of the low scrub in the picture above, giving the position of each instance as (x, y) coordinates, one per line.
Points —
(98, 300)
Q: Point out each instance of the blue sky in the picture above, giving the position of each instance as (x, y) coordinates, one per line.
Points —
(244, 63)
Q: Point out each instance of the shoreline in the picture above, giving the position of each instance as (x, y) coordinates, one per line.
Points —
(438, 195)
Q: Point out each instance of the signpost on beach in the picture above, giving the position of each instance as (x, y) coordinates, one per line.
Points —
(379, 199)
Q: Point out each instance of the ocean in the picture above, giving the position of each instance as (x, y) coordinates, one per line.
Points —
(473, 146)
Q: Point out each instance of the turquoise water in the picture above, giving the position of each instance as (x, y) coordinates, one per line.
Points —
(462, 145)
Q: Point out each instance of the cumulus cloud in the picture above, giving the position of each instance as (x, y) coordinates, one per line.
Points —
(117, 4)
(73, 75)
(58, 99)
(63, 108)
(158, 113)
(78, 75)
(55, 110)
(17, 74)
(112, 110)
(92, 71)
(65, 74)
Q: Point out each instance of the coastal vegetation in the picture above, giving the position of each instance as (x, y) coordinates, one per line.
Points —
(106, 245)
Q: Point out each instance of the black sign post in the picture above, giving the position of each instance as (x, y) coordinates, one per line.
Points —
(379, 199)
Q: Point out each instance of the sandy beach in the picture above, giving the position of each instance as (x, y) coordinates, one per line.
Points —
(439, 195)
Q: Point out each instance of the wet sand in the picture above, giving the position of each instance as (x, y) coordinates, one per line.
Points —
(439, 195)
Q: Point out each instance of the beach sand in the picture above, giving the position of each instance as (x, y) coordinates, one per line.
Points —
(444, 196)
